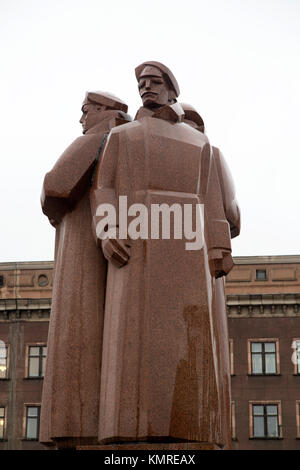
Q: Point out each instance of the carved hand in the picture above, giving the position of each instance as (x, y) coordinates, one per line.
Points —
(222, 264)
(117, 251)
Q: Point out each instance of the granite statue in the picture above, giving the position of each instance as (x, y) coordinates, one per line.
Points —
(70, 399)
(165, 374)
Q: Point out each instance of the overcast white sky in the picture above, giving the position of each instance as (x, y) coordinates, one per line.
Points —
(236, 61)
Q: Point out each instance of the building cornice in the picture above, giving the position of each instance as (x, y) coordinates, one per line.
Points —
(263, 305)
(278, 259)
(25, 309)
(15, 265)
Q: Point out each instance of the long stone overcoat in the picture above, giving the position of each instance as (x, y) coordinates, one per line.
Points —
(165, 363)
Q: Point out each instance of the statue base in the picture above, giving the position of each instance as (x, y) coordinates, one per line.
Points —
(153, 446)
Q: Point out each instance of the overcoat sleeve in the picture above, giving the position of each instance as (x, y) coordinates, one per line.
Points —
(217, 226)
(230, 203)
(65, 184)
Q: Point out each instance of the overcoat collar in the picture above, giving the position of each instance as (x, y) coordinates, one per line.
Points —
(170, 112)
(108, 120)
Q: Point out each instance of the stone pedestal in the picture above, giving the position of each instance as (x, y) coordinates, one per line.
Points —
(153, 446)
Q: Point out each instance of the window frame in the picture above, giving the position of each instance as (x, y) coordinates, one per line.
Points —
(298, 418)
(25, 421)
(27, 360)
(294, 356)
(265, 403)
(4, 417)
(277, 357)
(231, 357)
(7, 345)
(261, 270)
(233, 421)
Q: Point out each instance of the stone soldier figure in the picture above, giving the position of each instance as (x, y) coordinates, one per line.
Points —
(70, 401)
(164, 377)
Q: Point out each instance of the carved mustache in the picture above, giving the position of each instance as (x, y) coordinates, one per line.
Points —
(148, 92)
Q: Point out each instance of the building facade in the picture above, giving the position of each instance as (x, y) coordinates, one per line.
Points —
(263, 300)
(25, 302)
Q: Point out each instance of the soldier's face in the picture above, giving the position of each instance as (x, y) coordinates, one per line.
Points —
(154, 91)
(91, 115)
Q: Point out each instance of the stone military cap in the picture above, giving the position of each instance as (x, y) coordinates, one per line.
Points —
(146, 68)
(106, 99)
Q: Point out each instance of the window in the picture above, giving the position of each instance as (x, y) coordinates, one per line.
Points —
(43, 280)
(1, 281)
(263, 356)
(261, 275)
(36, 360)
(3, 360)
(32, 422)
(265, 420)
(296, 355)
(2, 422)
